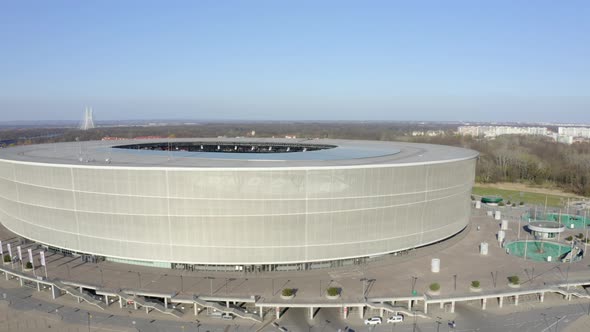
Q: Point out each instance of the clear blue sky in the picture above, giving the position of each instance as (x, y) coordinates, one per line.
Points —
(349, 60)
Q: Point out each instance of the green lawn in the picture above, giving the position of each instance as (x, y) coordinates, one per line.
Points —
(518, 196)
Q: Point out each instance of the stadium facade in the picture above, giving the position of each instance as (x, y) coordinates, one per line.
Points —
(236, 203)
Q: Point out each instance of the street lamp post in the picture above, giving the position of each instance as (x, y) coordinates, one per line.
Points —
(210, 284)
(88, 316)
(363, 285)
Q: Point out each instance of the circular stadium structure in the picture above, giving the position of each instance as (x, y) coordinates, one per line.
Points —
(239, 204)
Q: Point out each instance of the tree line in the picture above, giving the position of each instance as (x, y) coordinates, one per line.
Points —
(526, 159)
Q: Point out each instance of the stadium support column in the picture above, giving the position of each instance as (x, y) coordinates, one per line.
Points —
(54, 292)
(542, 297)
(515, 299)
(483, 303)
(500, 301)
(361, 312)
(452, 306)
(278, 312)
(310, 312)
(120, 302)
(425, 306)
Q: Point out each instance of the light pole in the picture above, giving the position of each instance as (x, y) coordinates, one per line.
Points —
(363, 281)
(89, 316)
(210, 284)
(414, 280)
(557, 322)
(567, 276)
(181, 284)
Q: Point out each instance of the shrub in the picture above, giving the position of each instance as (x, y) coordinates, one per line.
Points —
(434, 287)
(521, 203)
(333, 291)
(6, 259)
(29, 265)
(514, 280)
(288, 292)
(475, 284)
(580, 236)
(513, 204)
(508, 203)
(569, 238)
(501, 204)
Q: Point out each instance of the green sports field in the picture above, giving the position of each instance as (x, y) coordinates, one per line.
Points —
(515, 196)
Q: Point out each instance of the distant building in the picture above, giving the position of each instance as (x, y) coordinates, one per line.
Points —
(428, 133)
(574, 131)
(493, 131)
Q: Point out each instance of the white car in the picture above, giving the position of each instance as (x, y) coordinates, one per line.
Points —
(373, 320)
(395, 319)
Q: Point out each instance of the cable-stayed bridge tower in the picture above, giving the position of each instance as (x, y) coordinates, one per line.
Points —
(88, 121)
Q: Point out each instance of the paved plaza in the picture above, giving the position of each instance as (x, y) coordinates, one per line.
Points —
(394, 276)
(390, 277)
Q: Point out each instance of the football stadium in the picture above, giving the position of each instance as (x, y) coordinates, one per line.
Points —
(236, 203)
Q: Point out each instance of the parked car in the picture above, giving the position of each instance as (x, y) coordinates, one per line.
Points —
(395, 319)
(227, 316)
(373, 320)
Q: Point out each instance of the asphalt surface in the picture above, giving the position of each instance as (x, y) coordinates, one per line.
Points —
(535, 318)
(553, 315)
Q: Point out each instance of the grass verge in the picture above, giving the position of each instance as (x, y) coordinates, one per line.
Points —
(516, 196)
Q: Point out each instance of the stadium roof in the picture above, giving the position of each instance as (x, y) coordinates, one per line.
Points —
(346, 153)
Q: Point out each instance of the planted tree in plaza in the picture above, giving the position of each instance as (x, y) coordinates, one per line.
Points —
(333, 291)
(514, 280)
(435, 287)
(6, 259)
(287, 292)
(475, 284)
(29, 265)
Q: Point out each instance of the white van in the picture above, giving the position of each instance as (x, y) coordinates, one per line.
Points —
(395, 319)
(216, 314)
